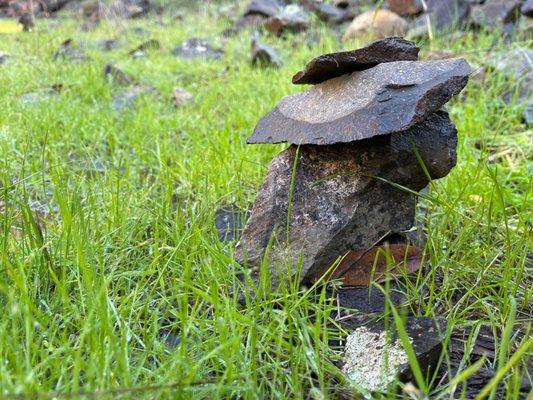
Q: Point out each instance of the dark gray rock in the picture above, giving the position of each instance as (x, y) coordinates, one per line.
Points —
(445, 16)
(116, 75)
(495, 13)
(4, 57)
(527, 8)
(387, 98)
(336, 204)
(291, 20)
(197, 48)
(266, 8)
(229, 222)
(264, 56)
(516, 64)
(108, 44)
(369, 300)
(374, 355)
(332, 65)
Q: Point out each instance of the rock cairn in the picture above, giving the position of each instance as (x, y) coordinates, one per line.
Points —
(357, 137)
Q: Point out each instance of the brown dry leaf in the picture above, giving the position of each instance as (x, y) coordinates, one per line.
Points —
(364, 266)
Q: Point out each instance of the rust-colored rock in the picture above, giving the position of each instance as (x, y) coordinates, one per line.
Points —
(332, 65)
(405, 7)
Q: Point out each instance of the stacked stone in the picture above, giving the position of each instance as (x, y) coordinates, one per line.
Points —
(357, 138)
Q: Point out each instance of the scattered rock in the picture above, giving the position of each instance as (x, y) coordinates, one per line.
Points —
(117, 75)
(181, 96)
(129, 8)
(264, 56)
(108, 44)
(67, 51)
(41, 96)
(27, 21)
(291, 20)
(374, 356)
(325, 12)
(367, 301)
(405, 8)
(527, 8)
(265, 8)
(4, 57)
(128, 98)
(376, 24)
(151, 44)
(229, 222)
(495, 13)
(332, 65)
(197, 48)
(517, 64)
(444, 16)
(391, 97)
(334, 199)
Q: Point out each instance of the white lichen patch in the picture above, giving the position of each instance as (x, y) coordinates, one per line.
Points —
(372, 361)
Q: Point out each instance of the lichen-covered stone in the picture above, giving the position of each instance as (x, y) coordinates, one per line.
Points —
(337, 203)
(390, 97)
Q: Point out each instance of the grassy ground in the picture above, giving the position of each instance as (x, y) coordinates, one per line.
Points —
(108, 241)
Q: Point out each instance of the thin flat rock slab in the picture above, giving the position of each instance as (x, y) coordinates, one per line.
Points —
(445, 16)
(374, 356)
(336, 203)
(197, 48)
(332, 65)
(366, 301)
(390, 97)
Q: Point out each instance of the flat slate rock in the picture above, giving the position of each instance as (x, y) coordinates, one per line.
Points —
(390, 97)
(336, 205)
(374, 356)
(368, 300)
(197, 48)
(332, 65)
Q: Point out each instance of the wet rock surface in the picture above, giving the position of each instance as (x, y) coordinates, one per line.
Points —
(197, 48)
(374, 356)
(391, 97)
(335, 199)
(333, 65)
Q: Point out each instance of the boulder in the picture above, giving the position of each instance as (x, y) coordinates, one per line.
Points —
(390, 97)
(334, 203)
(376, 24)
(332, 65)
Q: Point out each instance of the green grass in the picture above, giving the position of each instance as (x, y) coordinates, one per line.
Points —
(96, 262)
